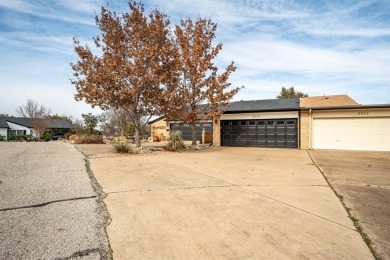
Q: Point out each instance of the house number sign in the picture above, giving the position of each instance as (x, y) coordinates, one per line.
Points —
(362, 113)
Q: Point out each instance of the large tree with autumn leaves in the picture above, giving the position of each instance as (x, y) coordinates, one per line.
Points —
(133, 70)
(145, 70)
(202, 92)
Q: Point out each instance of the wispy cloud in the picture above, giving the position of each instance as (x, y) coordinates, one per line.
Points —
(320, 47)
(55, 11)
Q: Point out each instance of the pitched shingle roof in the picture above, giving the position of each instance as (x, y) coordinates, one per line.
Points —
(284, 104)
(53, 123)
(60, 123)
(18, 120)
(3, 123)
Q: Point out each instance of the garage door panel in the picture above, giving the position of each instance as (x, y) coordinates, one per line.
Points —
(260, 133)
(372, 134)
(186, 130)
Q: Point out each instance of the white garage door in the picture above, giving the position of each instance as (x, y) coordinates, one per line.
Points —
(370, 134)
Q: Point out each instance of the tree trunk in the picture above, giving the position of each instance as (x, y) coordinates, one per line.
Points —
(193, 134)
(137, 138)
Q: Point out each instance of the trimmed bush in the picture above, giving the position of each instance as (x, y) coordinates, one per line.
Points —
(2, 138)
(89, 139)
(175, 141)
(122, 147)
(46, 137)
(22, 138)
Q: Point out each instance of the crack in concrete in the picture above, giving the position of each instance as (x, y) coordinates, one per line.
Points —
(211, 186)
(47, 203)
(172, 189)
(303, 185)
(81, 253)
(107, 254)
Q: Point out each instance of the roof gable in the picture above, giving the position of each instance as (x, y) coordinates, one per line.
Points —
(19, 121)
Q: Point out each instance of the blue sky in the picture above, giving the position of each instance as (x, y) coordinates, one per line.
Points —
(319, 47)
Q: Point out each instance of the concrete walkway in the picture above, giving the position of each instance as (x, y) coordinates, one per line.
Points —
(224, 203)
(48, 207)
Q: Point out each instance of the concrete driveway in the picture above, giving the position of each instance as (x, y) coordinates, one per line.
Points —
(224, 203)
(363, 179)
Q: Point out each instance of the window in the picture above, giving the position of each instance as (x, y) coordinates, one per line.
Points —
(16, 132)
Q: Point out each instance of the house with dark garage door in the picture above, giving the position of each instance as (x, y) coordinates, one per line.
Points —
(259, 123)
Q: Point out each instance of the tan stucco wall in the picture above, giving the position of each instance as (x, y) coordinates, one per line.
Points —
(217, 131)
(352, 113)
(304, 130)
(159, 128)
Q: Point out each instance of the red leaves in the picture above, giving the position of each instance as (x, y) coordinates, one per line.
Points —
(198, 81)
(147, 71)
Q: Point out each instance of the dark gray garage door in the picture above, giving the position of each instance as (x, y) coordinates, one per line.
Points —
(186, 130)
(260, 133)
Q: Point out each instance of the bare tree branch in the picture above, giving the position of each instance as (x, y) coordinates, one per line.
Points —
(38, 116)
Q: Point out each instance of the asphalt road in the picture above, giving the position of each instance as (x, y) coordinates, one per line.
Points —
(49, 208)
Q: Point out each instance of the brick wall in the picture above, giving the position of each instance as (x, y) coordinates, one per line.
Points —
(217, 131)
(304, 130)
(159, 129)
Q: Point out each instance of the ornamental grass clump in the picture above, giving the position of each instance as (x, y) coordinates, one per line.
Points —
(175, 141)
(122, 147)
(88, 139)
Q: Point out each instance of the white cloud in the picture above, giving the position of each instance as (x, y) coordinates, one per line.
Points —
(329, 47)
(43, 10)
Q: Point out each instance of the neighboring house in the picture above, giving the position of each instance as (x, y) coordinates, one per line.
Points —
(22, 126)
(3, 127)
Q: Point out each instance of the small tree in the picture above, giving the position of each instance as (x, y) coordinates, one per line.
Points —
(38, 115)
(290, 93)
(90, 122)
(136, 59)
(197, 78)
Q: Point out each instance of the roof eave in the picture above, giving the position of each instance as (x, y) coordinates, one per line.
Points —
(346, 107)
